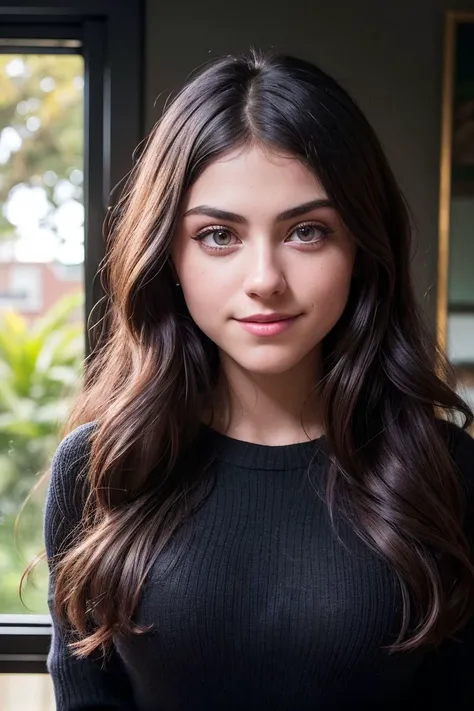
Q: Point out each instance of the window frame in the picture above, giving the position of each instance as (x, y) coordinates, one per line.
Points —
(113, 114)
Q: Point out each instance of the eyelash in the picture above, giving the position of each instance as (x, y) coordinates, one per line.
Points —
(325, 231)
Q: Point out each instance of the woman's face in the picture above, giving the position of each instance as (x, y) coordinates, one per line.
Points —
(257, 238)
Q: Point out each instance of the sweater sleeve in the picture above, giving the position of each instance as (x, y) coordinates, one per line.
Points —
(445, 679)
(88, 683)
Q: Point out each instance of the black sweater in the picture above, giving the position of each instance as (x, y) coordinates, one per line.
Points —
(265, 608)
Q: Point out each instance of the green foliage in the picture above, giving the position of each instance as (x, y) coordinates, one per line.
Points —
(42, 127)
(57, 145)
(40, 371)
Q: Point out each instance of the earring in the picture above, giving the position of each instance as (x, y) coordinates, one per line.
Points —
(178, 284)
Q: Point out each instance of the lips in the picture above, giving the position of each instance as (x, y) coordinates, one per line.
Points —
(266, 318)
(263, 325)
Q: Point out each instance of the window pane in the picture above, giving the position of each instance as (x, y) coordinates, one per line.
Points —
(41, 295)
(26, 692)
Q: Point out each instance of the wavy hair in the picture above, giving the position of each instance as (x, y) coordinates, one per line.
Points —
(151, 371)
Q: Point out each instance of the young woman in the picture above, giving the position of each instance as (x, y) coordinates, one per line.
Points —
(259, 501)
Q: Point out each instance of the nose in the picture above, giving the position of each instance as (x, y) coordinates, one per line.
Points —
(264, 275)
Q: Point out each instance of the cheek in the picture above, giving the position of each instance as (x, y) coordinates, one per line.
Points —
(200, 299)
(206, 283)
(329, 284)
(205, 295)
(198, 289)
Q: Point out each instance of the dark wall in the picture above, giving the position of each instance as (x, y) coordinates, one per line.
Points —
(386, 53)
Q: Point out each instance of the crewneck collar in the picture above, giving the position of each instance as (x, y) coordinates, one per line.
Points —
(250, 455)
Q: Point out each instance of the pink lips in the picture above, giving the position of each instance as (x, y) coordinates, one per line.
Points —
(267, 324)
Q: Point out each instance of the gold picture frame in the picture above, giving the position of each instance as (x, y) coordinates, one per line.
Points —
(455, 296)
(453, 20)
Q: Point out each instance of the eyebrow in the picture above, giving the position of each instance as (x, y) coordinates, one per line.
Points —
(233, 217)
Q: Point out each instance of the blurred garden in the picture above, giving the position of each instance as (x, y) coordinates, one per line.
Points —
(41, 354)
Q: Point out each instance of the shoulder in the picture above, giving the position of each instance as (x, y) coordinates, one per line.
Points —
(65, 494)
(74, 446)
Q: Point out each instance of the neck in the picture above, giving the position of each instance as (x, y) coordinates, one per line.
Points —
(270, 409)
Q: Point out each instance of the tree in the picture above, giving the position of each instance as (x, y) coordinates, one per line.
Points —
(42, 128)
(41, 159)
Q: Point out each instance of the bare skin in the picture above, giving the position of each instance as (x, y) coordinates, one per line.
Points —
(260, 261)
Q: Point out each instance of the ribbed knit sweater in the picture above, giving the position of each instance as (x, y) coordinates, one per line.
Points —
(264, 607)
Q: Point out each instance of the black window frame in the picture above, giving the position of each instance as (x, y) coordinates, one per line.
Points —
(112, 39)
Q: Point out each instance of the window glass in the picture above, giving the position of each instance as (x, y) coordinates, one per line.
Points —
(41, 298)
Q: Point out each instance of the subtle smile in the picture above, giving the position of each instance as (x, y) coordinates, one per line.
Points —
(267, 324)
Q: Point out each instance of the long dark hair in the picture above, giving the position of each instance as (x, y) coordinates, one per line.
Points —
(385, 384)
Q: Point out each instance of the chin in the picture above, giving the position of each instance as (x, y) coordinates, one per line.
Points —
(268, 366)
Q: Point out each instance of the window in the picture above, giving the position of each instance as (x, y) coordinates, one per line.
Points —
(41, 306)
(70, 119)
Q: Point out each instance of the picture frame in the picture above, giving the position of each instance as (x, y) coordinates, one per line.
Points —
(455, 283)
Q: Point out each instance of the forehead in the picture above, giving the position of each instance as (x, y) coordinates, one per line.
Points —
(254, 175)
